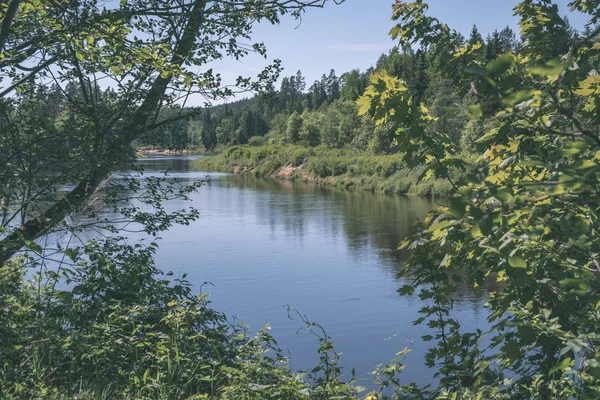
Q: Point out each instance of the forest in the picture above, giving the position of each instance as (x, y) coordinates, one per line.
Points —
(318, 132)
(508, 124)
(326, 112)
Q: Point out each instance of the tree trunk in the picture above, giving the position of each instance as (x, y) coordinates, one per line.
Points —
(7, 22)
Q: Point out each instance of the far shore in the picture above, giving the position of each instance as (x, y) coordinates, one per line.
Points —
(164, 152)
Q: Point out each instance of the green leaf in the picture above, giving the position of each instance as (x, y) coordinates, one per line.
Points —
(33, 246)
(441, 225)
(552, 68)
(475, 111)
(72, 253)
(500, 65)
(394, 32)
(476, 231)
(517, 262)
(562, 365)
(406, 290)
(458, 207)
(571, 282)
(519, 97)
(486, 224)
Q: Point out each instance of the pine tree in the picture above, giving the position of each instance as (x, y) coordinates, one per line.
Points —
(507, 40)
(294, 125)
(417, 78)
(332, 86)
(475, 36)
(493, 46)
(317, 94)
(300, 82)
(208, 134)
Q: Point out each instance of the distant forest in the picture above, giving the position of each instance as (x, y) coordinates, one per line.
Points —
(325, 112)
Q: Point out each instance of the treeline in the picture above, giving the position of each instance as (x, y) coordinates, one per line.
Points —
(237, 122)
(326, 113)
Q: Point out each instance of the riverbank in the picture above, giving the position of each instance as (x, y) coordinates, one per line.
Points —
(345, 168)
(155, 151)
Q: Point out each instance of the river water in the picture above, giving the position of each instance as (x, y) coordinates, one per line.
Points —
(331, 254)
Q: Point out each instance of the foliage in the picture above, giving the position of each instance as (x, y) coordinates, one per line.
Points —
(294, 126)
(346, 168)
(310, 133)
(527, 217)
(121, 329)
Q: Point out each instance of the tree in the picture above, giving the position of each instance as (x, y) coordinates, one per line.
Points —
(317, 94)
(285, 94)
(524, 215)
(493, 46)
(396, 63)
(310, 132)
(294, 126)
(417, 78)
(507, 40)
(332, 87)
(354, 84)
(299, 86)
(150, 52)
(208, 133)
(552, 40)
(246, 127)
(194, 132)
(340, 124)
(474, 36)
(225, 131)
(444, 106)
(278, 125)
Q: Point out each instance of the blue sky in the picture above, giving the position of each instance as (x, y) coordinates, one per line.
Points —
(354, 34)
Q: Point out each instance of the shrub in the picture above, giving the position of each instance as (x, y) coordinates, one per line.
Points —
(257, 141)
(356, 170)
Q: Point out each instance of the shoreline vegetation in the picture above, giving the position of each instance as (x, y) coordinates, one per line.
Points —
(159, 151)
(342, 168)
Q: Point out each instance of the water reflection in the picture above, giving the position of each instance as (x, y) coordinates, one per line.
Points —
(366, 220)
(363, 220)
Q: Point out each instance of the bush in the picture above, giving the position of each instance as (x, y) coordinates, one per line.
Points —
(350, 168)
(257, 141)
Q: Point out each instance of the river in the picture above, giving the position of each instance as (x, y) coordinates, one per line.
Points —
(331, 254)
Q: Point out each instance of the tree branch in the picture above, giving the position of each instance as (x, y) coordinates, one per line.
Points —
(28, 76)
(36, 227)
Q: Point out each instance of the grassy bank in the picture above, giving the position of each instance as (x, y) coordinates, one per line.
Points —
(345, 168)
(154, 150)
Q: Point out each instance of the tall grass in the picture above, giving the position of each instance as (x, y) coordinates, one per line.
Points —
(347, 168)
